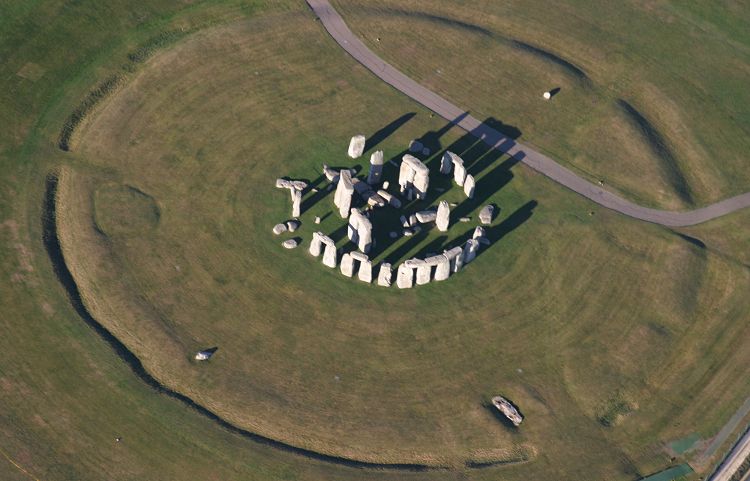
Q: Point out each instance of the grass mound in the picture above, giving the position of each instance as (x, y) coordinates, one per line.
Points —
(124, 210)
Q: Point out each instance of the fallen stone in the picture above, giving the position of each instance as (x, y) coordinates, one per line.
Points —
(291, 184)
(465, 219)
(404, 221)
(408, 232)
(296, 202)
(485, 215)
(386, 184)
(356, 146)
(290, 243)
(392, 200)
(425, 216)
(279, 229)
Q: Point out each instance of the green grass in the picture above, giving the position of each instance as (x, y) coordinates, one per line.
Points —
(497, 58)
(175, 170)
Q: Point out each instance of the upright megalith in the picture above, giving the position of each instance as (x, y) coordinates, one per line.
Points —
(359, 230)
(456, 258)
(385, 274)
(485, 215)
(414, 177)
(316, 245)
(364, 272)
(347, 265)
(442, 267)
(469, 186)
(376, 168)
(356, 146)
(471, 248)
(459, 171)
(295, 189)
(405, 276)
(344, 192)
(446, 162)
(443, 217)
(330, 255)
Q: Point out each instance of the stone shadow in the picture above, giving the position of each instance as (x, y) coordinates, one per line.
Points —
(387, 131)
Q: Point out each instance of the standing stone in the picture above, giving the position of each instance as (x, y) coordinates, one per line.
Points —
(459, 173)
(292, 225)
(316, 246)
(296, 202)
(469, 186)
(470, 250)
(329, 255)
(359, 230)
(443, 217)
(406, 173)
(365, 271)
(456, 258)
(347, 265)
(478, 233)
(344, 193)
(485, 215)
(446, 163)
(405, 276)
(385, 274)
(356, 146)
(422, 181)
(279, 229)
(443, 268)
(376, 168)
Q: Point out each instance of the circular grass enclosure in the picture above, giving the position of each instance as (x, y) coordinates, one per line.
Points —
(320, 361)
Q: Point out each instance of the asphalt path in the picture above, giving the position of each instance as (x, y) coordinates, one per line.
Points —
(337, 28)
(732, 463)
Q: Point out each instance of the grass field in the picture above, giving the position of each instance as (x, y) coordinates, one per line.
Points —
(653, 98)
(613, 336)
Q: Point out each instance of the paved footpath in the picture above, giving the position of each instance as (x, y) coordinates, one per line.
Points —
(336, 27)
(734, 460)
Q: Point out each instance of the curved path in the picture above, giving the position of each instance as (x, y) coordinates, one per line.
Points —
(336, 27)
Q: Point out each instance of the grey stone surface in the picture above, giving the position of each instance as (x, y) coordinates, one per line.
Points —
(356, 146)
(486, 214)
(317, 220)
(392, 200)
(291, 184)
(459, 173)
(344, 192)
(296, 202)
(456, 258)
(316, 245)
(469, 186)
(385, 275)
(359, 257)
(415, 146)
(471, 248)
(279, 229)
(292, 225)
(290, 243)
(405, 276)
(386, 184)
(424, 273)
(443, 268)
(414, 177)
(446, 163)
(360, 230)
(365, 271)
(330, 256)
(443, 216)
(347, 265)
(393, 234)
(376, 168)
(408, 232)
(425, 216)
(478, 233)
(404, 221)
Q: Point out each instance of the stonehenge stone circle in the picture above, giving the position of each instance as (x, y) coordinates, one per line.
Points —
(469, 186)
(376, 168)
(296, 202)
(385, 275)
(356, 146)
(443, 216)
(344, 192)
(405, 276)
(485, 215)
(347, 265)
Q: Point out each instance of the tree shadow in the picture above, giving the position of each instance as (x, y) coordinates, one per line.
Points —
(387, 131)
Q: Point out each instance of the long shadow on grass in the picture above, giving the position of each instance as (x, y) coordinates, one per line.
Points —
(54, 251)
(387, 131)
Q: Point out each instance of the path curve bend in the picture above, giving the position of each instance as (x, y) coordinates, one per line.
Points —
(338, 29)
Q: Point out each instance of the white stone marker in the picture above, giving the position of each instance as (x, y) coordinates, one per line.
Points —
(376, 168)
(347, 265)
(443, 217)
(290, 244)
(279, 229)
(385, 275)
(469, 186)
(405, 277)
(356, 146)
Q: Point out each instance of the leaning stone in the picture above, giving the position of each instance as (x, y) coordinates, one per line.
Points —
(485, 215)
(426, 216)
(279, 229)
(344, 191)
(290, 243)
(347, 265)
(443, 216)
(405, 277)
(330, 255)
(415, 146)
(356, 146)
(385, 274)
(469, 186)
(365, 271)
(408, 232)
(292, 225)
(470, 250)
(376, 168)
